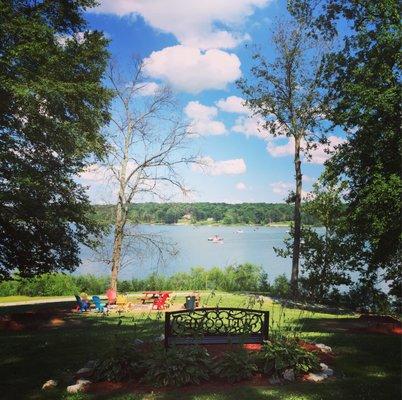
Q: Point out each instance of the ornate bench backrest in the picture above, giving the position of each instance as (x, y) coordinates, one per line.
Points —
(216, 326)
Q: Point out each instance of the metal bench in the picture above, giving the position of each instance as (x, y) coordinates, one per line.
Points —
(216, 326)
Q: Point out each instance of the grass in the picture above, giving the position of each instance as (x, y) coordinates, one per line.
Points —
(367, 366)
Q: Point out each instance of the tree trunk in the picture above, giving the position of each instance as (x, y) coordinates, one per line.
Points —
(297, 221)
(120, 221)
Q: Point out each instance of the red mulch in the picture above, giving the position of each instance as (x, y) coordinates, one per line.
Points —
(382, 324)
(217, 385)
(33, 320)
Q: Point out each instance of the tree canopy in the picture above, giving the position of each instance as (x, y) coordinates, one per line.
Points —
(52, 105)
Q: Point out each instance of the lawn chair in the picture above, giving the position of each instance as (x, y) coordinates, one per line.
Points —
(81, 305)
(159, 303)
(99, 306)
(121, 300)
(111, 296)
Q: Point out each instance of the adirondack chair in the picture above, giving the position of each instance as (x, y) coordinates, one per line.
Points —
(121, 300)
(159, 303)
(111, 296)
(99, 306)
(81, 305)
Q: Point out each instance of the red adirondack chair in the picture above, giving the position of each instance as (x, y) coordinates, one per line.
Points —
(159, 303)
(111, 296)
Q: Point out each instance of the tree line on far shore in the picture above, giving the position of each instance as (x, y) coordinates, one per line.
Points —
(222, 213)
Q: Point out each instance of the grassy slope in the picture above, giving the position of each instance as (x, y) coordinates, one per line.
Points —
(367, 366)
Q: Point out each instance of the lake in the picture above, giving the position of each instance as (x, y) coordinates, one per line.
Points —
(254, 245)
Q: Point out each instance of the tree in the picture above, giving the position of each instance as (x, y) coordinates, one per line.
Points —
(52, 105)
(286, 94)
(324, 257)
(363, 83)
(147, 146)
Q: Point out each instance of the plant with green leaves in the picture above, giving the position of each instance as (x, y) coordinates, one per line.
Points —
(282, 353)
(177, 366)
(235, 365)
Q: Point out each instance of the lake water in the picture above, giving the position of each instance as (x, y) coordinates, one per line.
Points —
(254, 245)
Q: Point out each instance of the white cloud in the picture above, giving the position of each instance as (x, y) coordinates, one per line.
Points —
(212, 167)
(190, 70)
(193, 22)
(203, 119)
(147, 88)
(250, 126)
(281, 188)
(233, 104)
(241, 186)
(318, 155)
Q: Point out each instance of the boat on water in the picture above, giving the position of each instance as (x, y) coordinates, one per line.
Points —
(215, 239)
(240, 231)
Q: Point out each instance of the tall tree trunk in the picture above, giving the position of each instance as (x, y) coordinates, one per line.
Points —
(297, 221)
(120, 221)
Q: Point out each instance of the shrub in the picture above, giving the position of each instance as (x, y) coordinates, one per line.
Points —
(280, 354)
(177, 367)
(235, 366)
(120, 364)
(281, 287)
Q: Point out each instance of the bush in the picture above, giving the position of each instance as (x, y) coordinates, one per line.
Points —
(283, 353)
(281, 287)
(235, 366)
(121, 364)
(177, 367)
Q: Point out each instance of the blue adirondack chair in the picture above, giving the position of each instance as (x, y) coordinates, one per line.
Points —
(81, 305)
(99, 306)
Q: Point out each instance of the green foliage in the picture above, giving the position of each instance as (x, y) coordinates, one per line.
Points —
(235, 365)
(169, 213)
(363, 86)
(177, 366)
(283, 353)
(52, 105)
(119, 364)
(244, 277)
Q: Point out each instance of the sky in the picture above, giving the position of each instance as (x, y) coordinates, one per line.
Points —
(200, 49)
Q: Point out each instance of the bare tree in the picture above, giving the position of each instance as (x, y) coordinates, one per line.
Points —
(148, 139)
(285, 93)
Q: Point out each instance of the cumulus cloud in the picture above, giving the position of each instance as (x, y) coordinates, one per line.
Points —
(191, 70)
(203, 24)
(203, 119)
(241, 186)
(318, 155)
(250, 126)
(147, 88)
(213, 167)
(281, 188)
(233, 104)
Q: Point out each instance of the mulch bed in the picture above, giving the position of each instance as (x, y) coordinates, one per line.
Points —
(382, 324)
(217, 385)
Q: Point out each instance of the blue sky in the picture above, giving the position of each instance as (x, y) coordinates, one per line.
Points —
(199, 49)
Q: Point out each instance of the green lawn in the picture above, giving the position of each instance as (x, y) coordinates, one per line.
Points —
(366, 366)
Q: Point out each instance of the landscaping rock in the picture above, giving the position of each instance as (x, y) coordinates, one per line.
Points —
(312, 377)
(78, 387)
(289, 375)
(138, 342)
(324, 348)
(84, 372)
(50, 384)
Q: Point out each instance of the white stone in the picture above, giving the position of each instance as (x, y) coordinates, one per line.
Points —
(316, 377)
(329, 372)
(50, 384)
(138, 342)
(78, 387)
(289, 375)
(324, 348)
(323, 366)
